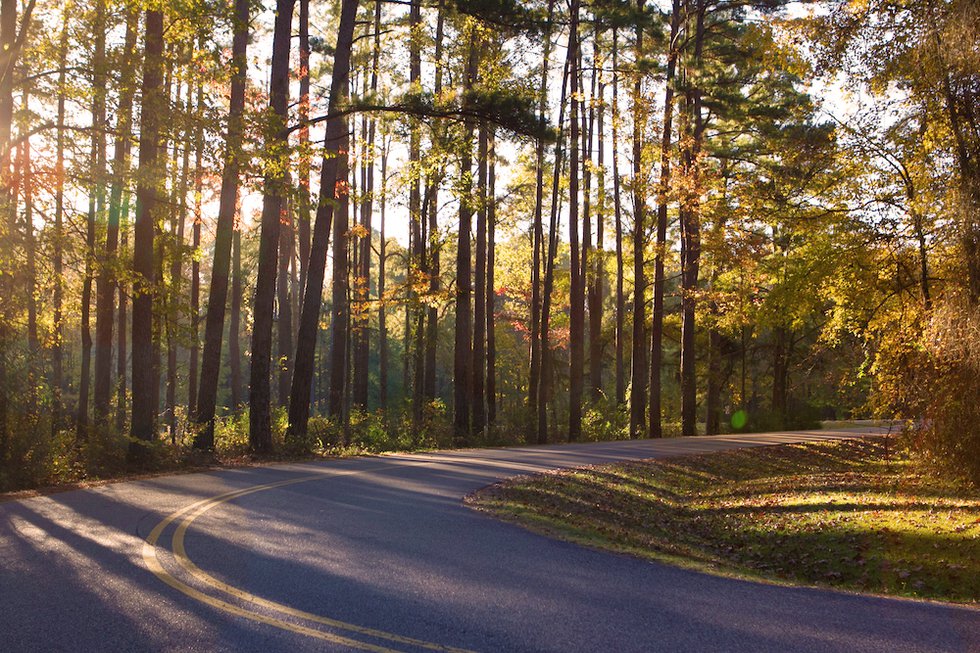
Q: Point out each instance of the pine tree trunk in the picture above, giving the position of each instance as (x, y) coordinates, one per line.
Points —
(333, 192)
(177, 226)
(142, 428)
(193, 369)
(260, 415)
(463, 340)
(491, 290)
(690, 220)
(106, 283)
(236, 392)
(638, 377)
(284, 303)
(478, 362)
(121, 339)
(362, 360)
(303, 212)
(57, 349)
(226, 237)
(596, 270)
(432, 195)
(576, 336)
(655, 426)
(96, 207)
(537, 228)
(618, 213)
(382, 310)
(33, 343)
(545, 379)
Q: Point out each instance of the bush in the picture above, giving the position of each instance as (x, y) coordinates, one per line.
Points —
(929, 374)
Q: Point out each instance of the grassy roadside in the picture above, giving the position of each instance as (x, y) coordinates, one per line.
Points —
(852, 514)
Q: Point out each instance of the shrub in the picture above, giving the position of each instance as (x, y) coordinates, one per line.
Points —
(930, 375)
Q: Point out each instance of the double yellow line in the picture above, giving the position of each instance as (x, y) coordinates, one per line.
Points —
(188, 514)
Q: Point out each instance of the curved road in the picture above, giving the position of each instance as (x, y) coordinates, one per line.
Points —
(379, 554)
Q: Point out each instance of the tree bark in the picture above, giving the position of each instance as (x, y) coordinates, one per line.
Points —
(260, 415)
(639, 373)
(432, 194)
(177, 225)
(143, 424)
(576, 337)
(57, 353)
(382, 309)
(463, 351)
(545, 379)
(690, 220)
(491, 389)
(193, 369)
(226, 232)
(478, 364)
(618, 213)
(96, 209)
(106, 283)
(537, 227)
(303, 205)
(333, 193)
(655, 426)
(596, 271)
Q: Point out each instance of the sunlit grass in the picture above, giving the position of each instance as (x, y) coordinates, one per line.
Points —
(852, 514)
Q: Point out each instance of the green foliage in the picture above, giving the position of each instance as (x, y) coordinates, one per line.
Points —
(604, 420)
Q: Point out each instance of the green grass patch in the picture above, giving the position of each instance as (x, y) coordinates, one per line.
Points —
(852, 514)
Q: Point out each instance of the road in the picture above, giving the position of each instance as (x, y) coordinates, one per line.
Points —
(379, 554)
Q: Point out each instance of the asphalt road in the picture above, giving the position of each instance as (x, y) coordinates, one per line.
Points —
(379, 554)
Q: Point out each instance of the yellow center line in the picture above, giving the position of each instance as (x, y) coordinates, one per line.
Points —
(194, 510)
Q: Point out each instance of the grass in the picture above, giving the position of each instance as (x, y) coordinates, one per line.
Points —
(852, 514)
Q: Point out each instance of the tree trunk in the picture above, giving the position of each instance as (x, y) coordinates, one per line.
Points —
(362, 349)
(382, 309)
(192, 372)
(260, 416)
(236, 392)
(478, 364)
(432, 194)
(333, 193)
(618, 212)
(491, 291)
(284, 303)
(639, 374)
(106, 284)
(537, 228)
(142, 428)
(33, 344)
(225, 233)
(177, 225)
(690, 220)
(596, 271)
(96, 208)
(463, 351)
(545, 379)
(303, 204)
(121, 340)
(57, 353)
(657, 336)
(576, 337)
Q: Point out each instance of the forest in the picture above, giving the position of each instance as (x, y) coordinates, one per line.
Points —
(239, 228)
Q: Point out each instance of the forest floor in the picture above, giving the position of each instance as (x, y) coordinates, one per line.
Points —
(857, 515)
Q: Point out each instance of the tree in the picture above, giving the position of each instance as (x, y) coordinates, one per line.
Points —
(143, 421)
(225, 232)
(277, 146)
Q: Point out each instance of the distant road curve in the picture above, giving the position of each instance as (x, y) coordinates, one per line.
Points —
(379, 554)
